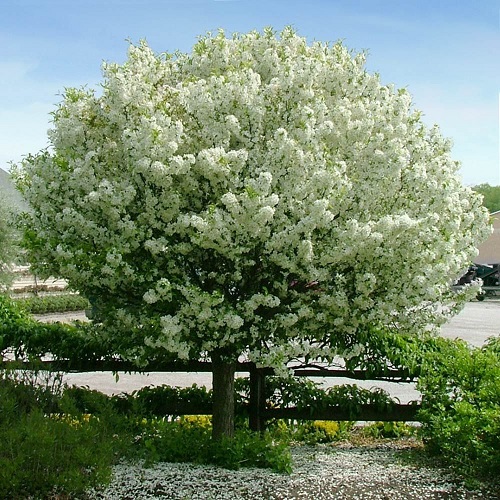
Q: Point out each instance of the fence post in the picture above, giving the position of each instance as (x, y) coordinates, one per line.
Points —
(257, 422)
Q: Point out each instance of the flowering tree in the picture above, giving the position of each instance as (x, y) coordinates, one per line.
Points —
(257, 196)
(7, 242)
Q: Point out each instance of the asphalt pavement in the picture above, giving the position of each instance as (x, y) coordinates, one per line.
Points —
(477, 322)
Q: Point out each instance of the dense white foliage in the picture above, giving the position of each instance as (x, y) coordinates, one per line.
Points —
(258, 195)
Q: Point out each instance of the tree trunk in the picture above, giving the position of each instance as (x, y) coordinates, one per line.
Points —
(223, 396)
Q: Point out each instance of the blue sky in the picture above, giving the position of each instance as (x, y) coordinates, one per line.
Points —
(445, 52)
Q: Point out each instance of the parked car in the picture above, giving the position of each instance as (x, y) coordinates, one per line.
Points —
(489, 274)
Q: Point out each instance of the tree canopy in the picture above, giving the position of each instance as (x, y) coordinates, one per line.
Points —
(258, 196)
(491, 196)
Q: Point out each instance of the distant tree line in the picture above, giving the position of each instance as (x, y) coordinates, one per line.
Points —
(491, 196)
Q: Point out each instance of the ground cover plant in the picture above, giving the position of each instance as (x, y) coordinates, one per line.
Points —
(259, 195)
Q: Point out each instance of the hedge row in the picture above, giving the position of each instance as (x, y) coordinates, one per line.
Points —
(53, 303)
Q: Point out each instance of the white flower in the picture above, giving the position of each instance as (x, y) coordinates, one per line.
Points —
(230, 200)
(265, 214)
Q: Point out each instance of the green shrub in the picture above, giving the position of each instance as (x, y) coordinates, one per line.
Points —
(155, 401)
(303, 393)
(389, 430)
(32, 389)
(13, 320)
(173, 441)
(461, 407)
(40, 455)
(312, 431)
(54, 303)
(86, 401)
(43, 454)
(248, 449)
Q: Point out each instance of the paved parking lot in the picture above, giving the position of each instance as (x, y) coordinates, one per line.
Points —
(477, 322)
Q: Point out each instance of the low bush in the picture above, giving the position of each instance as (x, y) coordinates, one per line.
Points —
(173, 441)
(304, 393)
(78, 342)
(43, 455)
(31, 390)
(389, 430)
(53, 303)
(156, 401)
(315, 431)
(461, 407)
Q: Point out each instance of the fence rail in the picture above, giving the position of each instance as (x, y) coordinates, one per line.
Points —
(111, 365)
(258, 411)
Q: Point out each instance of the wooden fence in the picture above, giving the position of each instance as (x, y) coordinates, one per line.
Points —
(258, 411)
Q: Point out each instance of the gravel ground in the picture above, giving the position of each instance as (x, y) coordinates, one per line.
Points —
(344, 471)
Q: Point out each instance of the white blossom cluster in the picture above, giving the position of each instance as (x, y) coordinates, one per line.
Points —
(259, 195)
